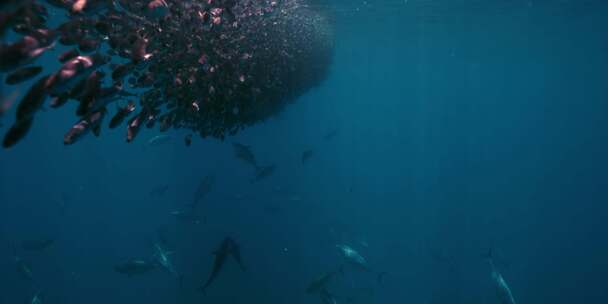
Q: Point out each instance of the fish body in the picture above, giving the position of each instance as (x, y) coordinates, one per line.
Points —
(134, 267)
(244, 153)
(263, 172)
(33, 100)
(203, 189)
(36, 299)
(17, 132)
(81, 128)
(187, 216)
(22, 75)
(159, 140)
(227, 247)
(503, 292)
(23, 268)
(353, 257)
(162, 257)
(306, 155)
(159, 190)
(320, 283)
(37, 245)
(120, 116)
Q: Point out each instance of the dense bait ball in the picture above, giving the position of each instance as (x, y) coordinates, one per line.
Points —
(211, 66)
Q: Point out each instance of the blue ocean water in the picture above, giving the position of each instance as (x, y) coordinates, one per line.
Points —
(459, 126)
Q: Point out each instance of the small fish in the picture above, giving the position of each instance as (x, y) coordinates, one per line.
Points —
(228, 247)
(134, 267)
(331, 134)
(188, 140)
(159, 191)
(82, 127)
(68, 55)
(36, 299)
(306, 155)
(187, 217)
(320, 283)
(159, 140)
(22, 75)
(17, 132)
(162, 257)
(37, 245)
(133, 127)
(503, 292)
(263, 172)
(204, 187)
(23, 268)
(122, 113)
(244, 153)
(34, 98)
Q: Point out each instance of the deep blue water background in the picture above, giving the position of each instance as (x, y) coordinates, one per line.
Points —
(463, 125)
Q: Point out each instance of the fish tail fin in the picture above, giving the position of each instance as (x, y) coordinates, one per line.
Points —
(489, 256)
(380, 277)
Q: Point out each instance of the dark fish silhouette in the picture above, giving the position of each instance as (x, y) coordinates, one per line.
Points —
(17, 132)
(263, 172)
(122, 113)
(306, 155)
(68, 55)
(187, 216)
(23, 74)
(135, 267)
(331, 134)
(204, 187)
(37, 245)
(244, 153)
(159, 191)
(227, 247)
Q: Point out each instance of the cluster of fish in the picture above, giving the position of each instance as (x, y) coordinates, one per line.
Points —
(161, 258)
(210, 66)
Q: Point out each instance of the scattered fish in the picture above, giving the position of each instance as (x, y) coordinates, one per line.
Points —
(188, 140)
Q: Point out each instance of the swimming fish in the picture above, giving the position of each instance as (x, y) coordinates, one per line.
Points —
(228, 247)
